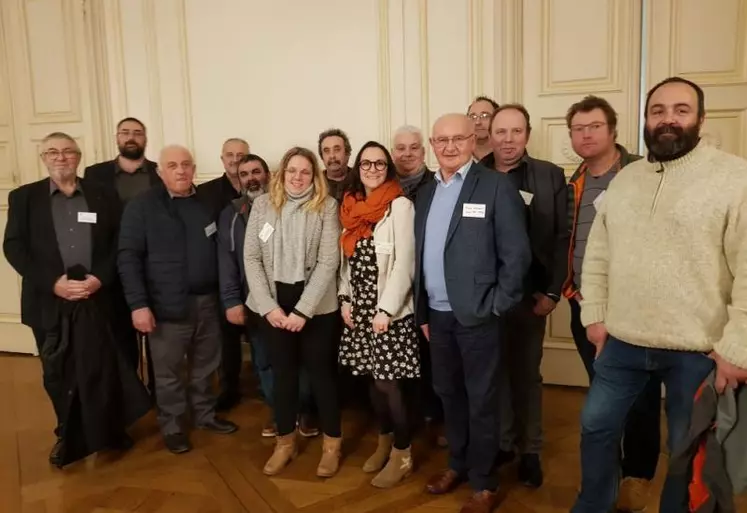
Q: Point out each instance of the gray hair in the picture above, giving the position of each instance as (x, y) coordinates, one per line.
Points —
(408, 129)
(59, 135)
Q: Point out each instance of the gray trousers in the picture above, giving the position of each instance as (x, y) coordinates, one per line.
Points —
(196, 342)
(520, 379)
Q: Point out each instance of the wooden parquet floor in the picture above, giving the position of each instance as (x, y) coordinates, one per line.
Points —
(223, 474)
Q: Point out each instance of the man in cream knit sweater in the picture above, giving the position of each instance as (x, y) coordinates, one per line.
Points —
(664, 283)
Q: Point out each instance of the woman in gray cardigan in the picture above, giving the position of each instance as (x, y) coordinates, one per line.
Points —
(291, 256)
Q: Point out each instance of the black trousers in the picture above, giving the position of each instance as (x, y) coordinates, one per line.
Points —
(54, 392)
(642, 438)
(466, 362)
(232, 357)
(314, 348)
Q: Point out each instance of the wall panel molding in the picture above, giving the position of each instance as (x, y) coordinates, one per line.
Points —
(384, 68)
(41, 72)
(475, 50)
(155, 128)
(737, 74)
(508, 45)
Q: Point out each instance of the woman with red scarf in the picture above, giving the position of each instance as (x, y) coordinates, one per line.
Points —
(380, 338)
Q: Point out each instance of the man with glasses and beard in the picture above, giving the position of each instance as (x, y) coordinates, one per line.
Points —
(664, 287)
(128, 175)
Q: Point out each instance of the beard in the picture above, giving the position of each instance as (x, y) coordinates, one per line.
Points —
(254, 190)
(665, 149)
(131, 151)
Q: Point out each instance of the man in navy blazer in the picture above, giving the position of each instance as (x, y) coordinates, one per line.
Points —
(472, 254)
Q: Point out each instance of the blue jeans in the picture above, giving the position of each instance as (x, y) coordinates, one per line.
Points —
(622, 373)
(263, 370)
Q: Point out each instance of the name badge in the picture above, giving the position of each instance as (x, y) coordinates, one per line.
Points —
(266, 231)
(598, 201)
(527, 197)
(473, 210)
(385, 248)
(210, 229)
(87, 217)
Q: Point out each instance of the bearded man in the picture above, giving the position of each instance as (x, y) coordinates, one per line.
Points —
(253, 175)
(128, 175)
(664, 287)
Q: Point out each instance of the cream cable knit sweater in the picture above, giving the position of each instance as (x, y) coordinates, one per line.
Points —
(666, 262)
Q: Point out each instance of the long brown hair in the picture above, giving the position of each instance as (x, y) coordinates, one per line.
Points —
(277, 181)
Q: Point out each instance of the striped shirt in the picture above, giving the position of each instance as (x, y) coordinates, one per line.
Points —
(594, 186)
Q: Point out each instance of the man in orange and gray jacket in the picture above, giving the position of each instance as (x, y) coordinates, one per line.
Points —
(592, 124)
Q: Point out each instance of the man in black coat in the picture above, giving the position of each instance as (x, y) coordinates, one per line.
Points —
(543, 189)
(128, 175)
(168, 265)
(61, 237)
(471, 255)
(216, 195)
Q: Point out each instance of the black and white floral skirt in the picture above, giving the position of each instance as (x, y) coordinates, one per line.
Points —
(390, 355)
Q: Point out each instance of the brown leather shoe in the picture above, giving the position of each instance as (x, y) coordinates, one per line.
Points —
(443, 482)
(480, 502)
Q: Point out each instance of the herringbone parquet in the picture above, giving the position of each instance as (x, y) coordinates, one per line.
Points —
(223, 474)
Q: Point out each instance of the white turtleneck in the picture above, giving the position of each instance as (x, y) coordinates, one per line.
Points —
(666, 260)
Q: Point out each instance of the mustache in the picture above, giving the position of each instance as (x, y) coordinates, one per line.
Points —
(668, 129)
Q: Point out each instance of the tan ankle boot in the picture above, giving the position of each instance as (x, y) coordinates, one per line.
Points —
(397, 468)
(378, 459)
(331, 454)
(286, 450)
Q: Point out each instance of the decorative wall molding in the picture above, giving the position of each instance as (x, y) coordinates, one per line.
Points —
(425, 105)
(385, 102)
(67, 51)
(736, 75)
(475, 48)
(155, 131)
(508, 44)
(186, 89)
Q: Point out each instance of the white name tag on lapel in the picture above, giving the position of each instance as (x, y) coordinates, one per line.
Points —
(385, 248)
(598, 200)
(527, 197)
(210, 229)
(266, 231)
(87, 217)
(473, 210)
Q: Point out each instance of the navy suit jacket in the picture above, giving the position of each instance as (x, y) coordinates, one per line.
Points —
(485, 258)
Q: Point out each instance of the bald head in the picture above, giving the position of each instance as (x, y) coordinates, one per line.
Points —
(453, 141)
(177, 169)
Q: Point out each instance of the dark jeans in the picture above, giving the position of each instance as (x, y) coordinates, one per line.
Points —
(198, 339)
(522, 334)
(622, 373)
(642, 436)
(313, 348)
(232, 357)
(465, 376)
(263, 369)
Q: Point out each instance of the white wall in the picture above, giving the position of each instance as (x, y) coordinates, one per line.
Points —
(279, 72)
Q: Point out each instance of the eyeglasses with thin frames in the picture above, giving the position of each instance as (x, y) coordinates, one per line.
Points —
(458, 140)
(56, 154)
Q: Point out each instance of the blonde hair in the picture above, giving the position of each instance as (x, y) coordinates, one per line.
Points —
(277, 181)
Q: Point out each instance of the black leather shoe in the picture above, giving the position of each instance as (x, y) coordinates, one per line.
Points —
(55, 456)
(178, 443)
(530, 470)
(220, 426)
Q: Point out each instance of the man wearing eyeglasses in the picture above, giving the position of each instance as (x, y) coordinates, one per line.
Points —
(481, 112)
(592, 124)
(61, 237)
(472, 253)
(127, 175)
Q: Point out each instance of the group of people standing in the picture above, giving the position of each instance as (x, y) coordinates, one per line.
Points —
(399, 274)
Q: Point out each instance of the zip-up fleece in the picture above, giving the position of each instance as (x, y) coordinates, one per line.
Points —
(575, 191)
(666, 260)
